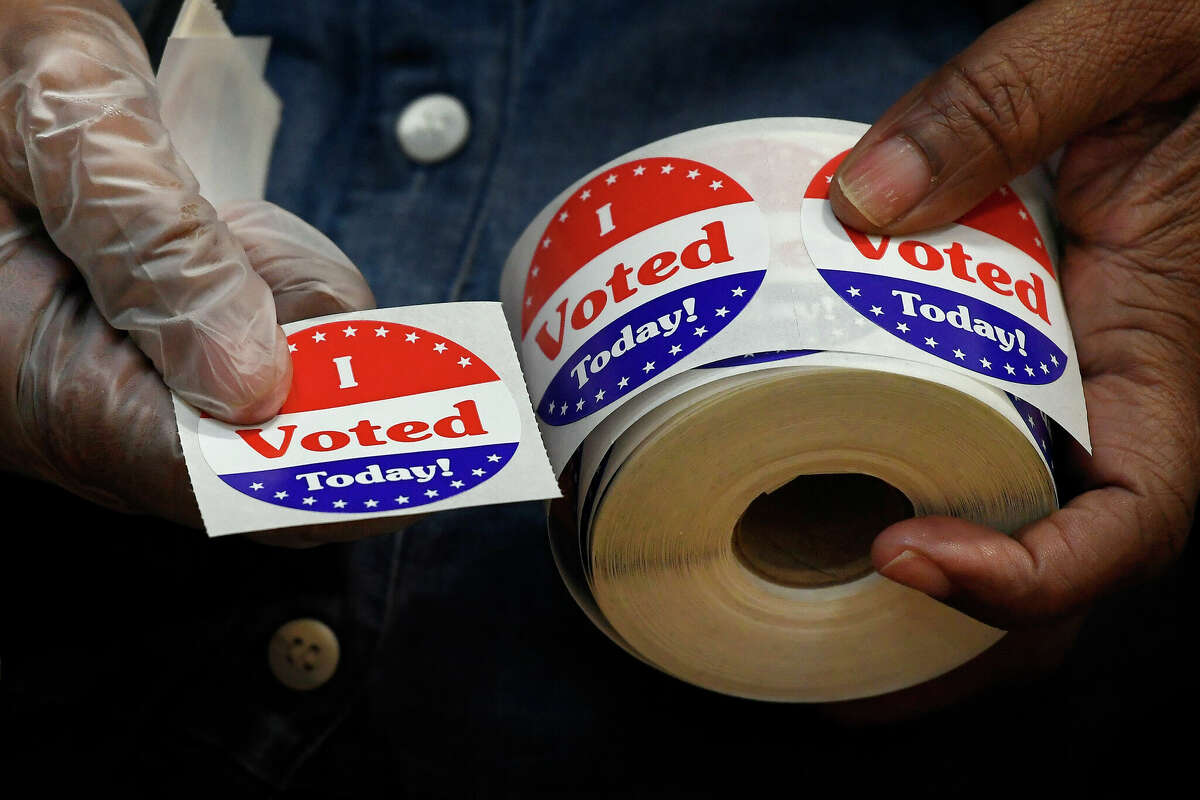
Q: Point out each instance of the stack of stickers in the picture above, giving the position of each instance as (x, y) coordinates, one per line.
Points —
(735, 391)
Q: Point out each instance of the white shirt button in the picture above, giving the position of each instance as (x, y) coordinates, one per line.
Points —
(433, 128)
(303, 654)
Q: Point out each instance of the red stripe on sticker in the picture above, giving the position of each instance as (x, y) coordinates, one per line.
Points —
(611, 207)
(359, 361)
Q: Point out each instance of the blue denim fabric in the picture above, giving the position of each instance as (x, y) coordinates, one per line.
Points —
(466, 668)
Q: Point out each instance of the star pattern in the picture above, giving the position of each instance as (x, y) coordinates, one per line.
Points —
(878, 299)
(438, 476)
(455, 471)
(712, 305)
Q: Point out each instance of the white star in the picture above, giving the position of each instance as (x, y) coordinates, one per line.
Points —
(1030, 418)
(256, 486)
(930, 341)
(853, 292)
(649, 366)
(738, 292)
(715, 185)
(699, 331)
(528, 301)
(411, 336)
(1054, 360)
(381, 332)
(562, 409)
(639, 170)
(1009, 369)
(477, 472)
(693, 174)
(545, 242)
(339, 503)
(579, 405)
(902, 327)
(552, 405)
(291, 347)
(621, 384)
(280, 495)
(493, 457)
(370, 503)
(667, 169)
(440, 347)
(431, 492)
(401, 499)
(1045, 369)
(722, 311)
(563, 216)
(1037, 241)
(456, 484)
(1004, 191)
(611, 179)
(464, 362)
(1029, 370)
(675, 349)
(959, 354)
(349, 331)
(599, 395)
(876, 310)
(534, 271)
(586, 194)
(318, 337)
(829, 179)
(1022, 213)
(308, 501)
(983, 362)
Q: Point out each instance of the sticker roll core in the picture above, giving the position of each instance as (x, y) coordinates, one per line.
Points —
(738, 393)
(665, 569)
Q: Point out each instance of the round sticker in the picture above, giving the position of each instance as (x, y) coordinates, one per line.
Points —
(380, 416)
(639, 267)
(979, 293)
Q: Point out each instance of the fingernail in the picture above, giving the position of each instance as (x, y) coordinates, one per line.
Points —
(914, 569)
(887, 181)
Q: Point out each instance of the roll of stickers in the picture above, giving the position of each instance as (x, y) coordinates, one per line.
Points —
(738, 392)
(735, 391)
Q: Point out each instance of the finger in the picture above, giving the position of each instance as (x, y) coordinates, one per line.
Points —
(86, 146)
(1012, 98)
(1052, 568)
(308, 275)
(80, 405)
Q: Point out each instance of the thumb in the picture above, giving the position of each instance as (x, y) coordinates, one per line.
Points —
(1022, 90)
(1051, 569)
(86, 146)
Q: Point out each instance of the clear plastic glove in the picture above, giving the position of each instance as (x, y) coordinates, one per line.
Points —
(80, 405)
(103, 234)
(82, 146)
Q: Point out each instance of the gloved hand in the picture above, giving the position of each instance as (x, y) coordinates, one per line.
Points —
(114, 271)
(1117, 84)
(82, 145)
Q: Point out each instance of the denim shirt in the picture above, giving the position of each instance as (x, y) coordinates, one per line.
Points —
(465, 666)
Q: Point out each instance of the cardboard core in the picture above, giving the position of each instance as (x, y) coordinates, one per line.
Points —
(816, 530)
